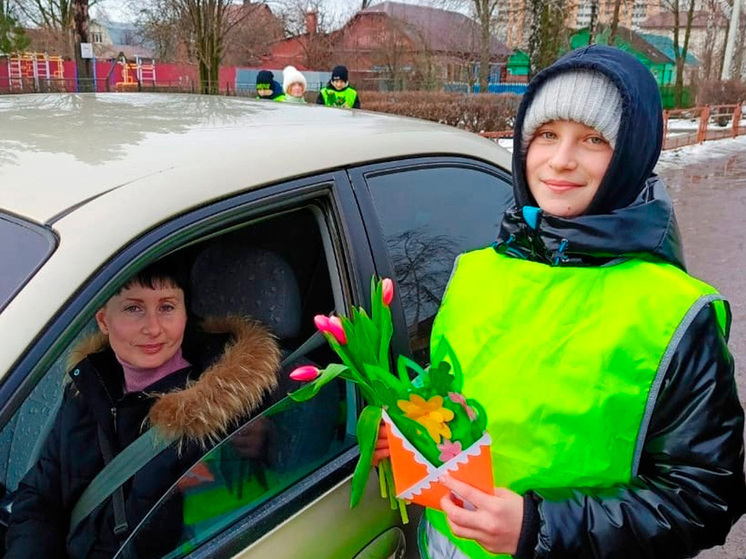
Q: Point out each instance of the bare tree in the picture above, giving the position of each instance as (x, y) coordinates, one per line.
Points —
(392, 53)
(310, 21)
(12, 36)
(614, 21)
(56, 18)
(593, 22)
(81, 20)
(198, 27)
(680, 50)
(548, 32)
(485, 12)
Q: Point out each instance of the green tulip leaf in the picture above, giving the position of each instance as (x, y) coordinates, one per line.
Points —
(367, 434)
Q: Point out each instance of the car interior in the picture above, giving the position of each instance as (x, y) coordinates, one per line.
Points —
(276, 271)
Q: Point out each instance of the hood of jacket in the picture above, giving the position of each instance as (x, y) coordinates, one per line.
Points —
(644, 229)
(631, 213)
(230, 386)
(640, 134)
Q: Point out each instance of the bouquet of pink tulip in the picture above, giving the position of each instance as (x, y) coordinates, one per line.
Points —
(423, 410)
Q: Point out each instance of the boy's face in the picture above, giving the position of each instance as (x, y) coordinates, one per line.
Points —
(263, 90)
(339, 83)
(565, 164)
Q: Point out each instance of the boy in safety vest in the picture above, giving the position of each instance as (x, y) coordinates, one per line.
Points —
(267, 87)
(602, 365)
(338, 92)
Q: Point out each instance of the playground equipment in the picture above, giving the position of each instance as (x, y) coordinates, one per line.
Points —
(34, 71)
(134, 74)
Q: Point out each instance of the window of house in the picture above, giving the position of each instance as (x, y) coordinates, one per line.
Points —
(429, 215)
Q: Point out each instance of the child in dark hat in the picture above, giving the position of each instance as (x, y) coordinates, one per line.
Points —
(267, 87)
(602, 365)
(338, 92)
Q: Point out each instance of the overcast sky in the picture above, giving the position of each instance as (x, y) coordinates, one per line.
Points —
(339, 9)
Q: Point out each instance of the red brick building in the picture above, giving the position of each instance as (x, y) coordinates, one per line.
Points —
(393, 46)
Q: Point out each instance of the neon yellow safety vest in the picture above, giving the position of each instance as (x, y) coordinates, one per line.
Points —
(567, 362)
(334, 98)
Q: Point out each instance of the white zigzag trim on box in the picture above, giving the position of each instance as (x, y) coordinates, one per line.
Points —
(450, 466)
(434, 473)
(407, 445)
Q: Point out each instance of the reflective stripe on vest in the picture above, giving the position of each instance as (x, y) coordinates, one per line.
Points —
(567, 361)
(334, 98)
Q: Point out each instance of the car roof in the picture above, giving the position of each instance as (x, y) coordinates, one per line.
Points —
(60, 151)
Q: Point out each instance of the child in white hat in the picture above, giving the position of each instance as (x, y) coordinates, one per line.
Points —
(294, 84)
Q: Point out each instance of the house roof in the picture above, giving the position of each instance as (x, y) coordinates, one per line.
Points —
(635, 41)
(665, 45)
(442, 30)
(664, 20)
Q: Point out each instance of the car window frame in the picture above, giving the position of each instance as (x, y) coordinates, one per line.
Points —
(45, 234)
(358, 178)
(353, 261)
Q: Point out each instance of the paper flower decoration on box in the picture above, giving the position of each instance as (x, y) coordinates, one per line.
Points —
(432, 428)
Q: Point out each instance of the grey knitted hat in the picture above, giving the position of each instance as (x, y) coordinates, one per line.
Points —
(584, 96)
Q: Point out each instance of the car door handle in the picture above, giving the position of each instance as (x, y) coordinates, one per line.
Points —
(391, 544)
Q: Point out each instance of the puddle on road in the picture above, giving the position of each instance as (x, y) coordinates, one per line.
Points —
(726, 172)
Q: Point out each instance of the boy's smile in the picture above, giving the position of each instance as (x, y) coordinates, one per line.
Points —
(565, 164)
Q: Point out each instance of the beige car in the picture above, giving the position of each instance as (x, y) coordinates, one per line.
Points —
(282, 212)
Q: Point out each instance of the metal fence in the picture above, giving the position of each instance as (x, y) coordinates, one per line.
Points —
(683, 127)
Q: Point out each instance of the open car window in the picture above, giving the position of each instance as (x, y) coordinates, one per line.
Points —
(259, 461)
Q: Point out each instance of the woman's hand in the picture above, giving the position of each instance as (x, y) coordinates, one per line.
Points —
(381, 451)
(494, 521)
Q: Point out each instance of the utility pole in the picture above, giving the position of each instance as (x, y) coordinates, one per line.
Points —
(730, 47)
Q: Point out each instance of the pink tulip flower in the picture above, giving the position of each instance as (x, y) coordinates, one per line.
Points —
(337, 330)
(305, 373)
(322, 322)
(388, 291)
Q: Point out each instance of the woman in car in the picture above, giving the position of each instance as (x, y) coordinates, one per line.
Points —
(146, 367)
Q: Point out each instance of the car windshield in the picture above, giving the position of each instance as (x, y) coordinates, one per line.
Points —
(23, 248)
(265, 457)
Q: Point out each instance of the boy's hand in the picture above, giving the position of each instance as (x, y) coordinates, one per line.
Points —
(381, 451)
(494, 521)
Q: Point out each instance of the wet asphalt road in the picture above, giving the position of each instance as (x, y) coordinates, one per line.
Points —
(710, 202)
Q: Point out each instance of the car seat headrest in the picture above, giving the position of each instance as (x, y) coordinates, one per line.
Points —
(238, 280)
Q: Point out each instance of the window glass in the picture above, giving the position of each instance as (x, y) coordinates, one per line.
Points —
(429, 216)
(265, 457)
(23, 247)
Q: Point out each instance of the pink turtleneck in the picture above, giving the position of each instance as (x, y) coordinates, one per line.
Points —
(137, 379)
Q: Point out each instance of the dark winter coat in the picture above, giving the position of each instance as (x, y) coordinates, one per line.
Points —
(690, 488)
(231, 374)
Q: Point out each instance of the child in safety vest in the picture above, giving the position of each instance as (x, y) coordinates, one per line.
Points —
(602, 365)
(338, 93)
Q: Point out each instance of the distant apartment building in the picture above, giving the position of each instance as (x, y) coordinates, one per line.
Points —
(516, 18)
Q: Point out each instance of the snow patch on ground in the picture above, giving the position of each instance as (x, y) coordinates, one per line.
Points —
(691, 155)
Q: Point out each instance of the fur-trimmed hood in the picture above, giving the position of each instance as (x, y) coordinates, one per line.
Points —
(229, 389)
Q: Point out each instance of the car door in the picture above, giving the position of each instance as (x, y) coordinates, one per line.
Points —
(420, 215)
(278, 484)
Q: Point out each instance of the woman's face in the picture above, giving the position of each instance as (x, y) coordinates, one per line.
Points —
(296, 90)
(565, 164)
(145, 326)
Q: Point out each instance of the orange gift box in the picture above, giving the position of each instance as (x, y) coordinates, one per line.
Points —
(416, 479)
